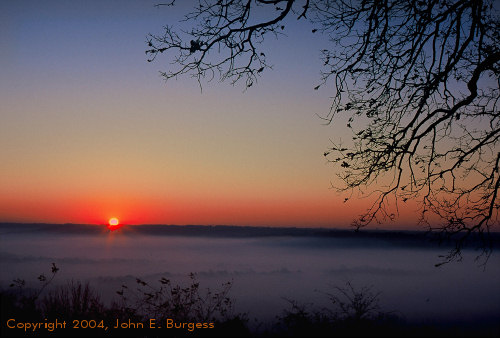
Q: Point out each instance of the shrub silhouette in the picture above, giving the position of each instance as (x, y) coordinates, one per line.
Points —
(354, 312)
(299, 320)
(21, 301)
(355, 305)
(188, 304)
(73, 301)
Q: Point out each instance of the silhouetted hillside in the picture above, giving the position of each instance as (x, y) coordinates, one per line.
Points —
(351, 238)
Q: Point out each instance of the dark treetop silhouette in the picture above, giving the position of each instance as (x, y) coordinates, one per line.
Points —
(417, 80)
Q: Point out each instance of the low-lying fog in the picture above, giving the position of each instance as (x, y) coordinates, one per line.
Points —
(266, 270)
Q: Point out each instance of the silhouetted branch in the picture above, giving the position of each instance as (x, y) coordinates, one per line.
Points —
(424, 116)
(229, 28)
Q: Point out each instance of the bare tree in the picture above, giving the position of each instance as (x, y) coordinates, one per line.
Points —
(418, 81)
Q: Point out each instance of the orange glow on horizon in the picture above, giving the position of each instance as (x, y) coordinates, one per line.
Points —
(328, 211)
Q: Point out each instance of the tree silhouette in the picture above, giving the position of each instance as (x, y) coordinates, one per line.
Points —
(417, 80)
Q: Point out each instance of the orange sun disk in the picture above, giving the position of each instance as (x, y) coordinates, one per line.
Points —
(114, 223)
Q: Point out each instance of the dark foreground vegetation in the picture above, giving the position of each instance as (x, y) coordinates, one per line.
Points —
(164, 309)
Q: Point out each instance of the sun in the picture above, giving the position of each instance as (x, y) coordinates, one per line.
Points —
(114, 224)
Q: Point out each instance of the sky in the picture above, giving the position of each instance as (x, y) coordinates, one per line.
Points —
(89, 130)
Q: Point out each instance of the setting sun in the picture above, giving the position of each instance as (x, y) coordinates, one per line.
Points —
(114, 224)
